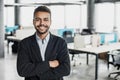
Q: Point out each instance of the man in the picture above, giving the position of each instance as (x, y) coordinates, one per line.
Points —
(43, 56)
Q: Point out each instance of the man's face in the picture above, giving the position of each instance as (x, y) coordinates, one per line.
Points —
(42, 22)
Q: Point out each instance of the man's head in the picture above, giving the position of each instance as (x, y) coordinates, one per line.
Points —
(42, 19)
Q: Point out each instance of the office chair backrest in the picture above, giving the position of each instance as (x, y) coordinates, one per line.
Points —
(117, 56)
(115, 62)
(114, 58)
(67, 34)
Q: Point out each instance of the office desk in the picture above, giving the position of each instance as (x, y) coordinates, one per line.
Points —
(95, 51)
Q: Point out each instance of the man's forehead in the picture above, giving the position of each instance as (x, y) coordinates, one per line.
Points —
(42, 14)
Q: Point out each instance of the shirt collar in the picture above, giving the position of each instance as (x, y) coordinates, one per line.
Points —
(46, 38)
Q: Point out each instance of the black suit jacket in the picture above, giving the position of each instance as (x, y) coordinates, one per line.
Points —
(31, 66)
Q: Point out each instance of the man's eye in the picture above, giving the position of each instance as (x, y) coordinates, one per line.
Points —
(36, 19)
(45, 19)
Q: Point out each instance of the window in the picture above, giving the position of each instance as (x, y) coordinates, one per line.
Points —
(104, 17)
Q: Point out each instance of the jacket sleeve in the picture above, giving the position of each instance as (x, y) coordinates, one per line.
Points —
(63, 69)
(25, 67)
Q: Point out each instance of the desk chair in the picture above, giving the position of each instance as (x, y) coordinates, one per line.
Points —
(67, 36)
(115, 62)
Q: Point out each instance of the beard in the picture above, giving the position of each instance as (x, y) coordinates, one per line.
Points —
(40, 32)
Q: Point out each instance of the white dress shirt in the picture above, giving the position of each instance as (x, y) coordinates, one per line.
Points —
(43, 44)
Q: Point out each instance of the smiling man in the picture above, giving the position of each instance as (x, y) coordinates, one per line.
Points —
(43, 56)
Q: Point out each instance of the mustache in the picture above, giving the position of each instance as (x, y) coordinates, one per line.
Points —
(42, 26)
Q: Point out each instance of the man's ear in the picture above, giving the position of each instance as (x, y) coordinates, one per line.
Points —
(51, 22)
(33, 21)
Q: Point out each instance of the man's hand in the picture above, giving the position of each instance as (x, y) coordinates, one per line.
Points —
(54, 63)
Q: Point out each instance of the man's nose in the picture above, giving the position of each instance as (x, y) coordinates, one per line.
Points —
(41, 22)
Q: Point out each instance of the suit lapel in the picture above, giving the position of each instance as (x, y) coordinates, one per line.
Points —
(49, 47)
(36, 48)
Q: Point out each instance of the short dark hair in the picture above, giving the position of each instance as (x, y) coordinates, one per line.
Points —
(42, 9)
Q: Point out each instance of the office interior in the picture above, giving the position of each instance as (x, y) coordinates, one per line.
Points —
(91, 29)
